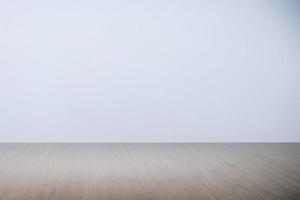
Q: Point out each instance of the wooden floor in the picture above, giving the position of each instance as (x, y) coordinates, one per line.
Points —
(149, 171)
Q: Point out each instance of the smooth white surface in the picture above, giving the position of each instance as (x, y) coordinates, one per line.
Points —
(149, 71)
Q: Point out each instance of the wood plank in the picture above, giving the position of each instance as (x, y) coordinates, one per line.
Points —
(149, 171)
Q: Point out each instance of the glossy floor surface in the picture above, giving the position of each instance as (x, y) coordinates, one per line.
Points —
(149, 171)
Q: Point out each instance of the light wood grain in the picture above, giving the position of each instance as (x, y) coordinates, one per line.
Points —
(149, 171)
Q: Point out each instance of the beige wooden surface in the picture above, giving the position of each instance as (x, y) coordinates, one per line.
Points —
(149, 171)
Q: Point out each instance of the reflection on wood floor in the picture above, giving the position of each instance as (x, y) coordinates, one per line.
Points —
(149, 171)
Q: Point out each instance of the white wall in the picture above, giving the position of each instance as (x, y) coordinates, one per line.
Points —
(149, 71)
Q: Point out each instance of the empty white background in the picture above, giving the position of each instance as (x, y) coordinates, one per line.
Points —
(149, 71)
